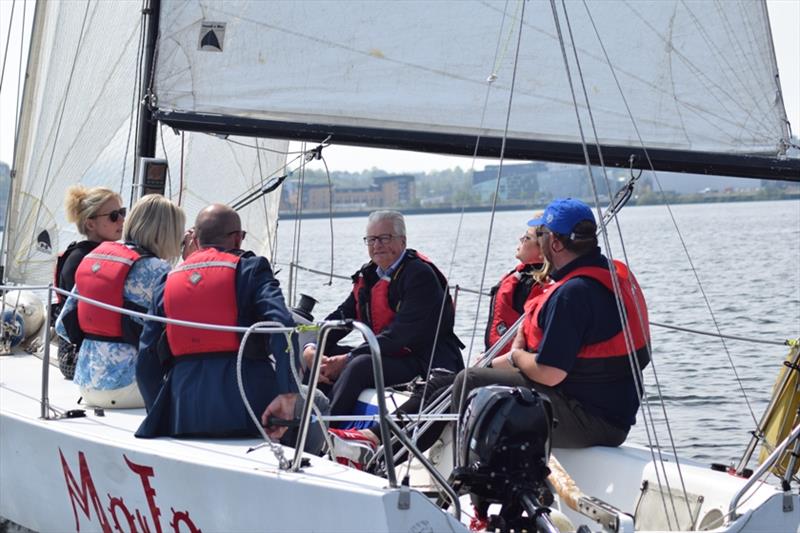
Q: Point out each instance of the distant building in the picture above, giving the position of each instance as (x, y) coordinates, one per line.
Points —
(517, 183)
(532, 182)
(385, 191)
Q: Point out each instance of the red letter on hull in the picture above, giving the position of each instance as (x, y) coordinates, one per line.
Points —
(81, 494)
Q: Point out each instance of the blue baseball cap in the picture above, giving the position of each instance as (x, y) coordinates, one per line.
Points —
(562, 214)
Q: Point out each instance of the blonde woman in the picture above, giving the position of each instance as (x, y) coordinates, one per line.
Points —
(123, 275)
(98, 214)
(507, 299)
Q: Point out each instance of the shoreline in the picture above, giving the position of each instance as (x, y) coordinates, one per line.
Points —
(642, 201)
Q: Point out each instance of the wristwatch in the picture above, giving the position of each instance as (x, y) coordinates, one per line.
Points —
(510, 358)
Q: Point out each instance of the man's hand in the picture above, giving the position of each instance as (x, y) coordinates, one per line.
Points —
(281, 407)
(189, 244)
(332, 367)
(308, 358)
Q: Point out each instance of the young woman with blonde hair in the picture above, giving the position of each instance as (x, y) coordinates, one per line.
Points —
(98, 214)
(123, 275)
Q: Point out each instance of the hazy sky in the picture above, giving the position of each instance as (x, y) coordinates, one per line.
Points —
(784, 17)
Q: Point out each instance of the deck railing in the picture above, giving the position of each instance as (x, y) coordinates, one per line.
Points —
(388, 426)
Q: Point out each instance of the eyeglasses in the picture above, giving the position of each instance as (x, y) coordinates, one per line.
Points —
(242, 232)
(541, 233)
(386, 238)
(114, 215)
(526, 238)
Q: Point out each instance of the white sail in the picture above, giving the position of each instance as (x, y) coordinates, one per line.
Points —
(698, 76)
(78, 126)
(218, 170)
(74, 124)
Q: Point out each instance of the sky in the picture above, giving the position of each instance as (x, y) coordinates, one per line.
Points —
(784, 18)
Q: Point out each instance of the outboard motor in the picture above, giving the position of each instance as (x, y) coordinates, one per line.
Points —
(302, 316)
(503, 447)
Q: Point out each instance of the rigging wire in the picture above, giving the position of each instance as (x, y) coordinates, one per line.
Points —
(641, 322)
(264, 200)
(256, 147)
(61, 117)
(497, 186)
(295, 256)
(137, 83)
(785, 342)
(17, 117)
(8, 40)
(180, 174)
(498, 55)
(166, 157)
(671, 214)
(628, 341)
(330, 207)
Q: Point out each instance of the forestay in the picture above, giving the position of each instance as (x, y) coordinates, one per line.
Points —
(698, 76)
(78, 126)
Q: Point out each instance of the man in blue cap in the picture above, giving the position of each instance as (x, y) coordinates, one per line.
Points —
(572, 346)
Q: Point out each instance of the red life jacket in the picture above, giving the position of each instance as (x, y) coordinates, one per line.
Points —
(101, 276)
(372, 302)
(607, 359)
(516, 286)
(202, 289)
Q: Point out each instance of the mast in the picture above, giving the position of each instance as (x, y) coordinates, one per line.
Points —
(147, 127)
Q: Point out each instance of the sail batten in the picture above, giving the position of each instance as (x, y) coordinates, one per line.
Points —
(698, 77)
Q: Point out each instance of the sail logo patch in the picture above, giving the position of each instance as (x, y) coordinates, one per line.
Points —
(195, 278)
(95, 267)
(43, 243)
(212, 36)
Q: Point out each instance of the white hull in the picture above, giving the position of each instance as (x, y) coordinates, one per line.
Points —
(88, 474)
(92, 474)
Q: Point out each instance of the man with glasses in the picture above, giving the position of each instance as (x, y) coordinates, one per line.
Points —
(404, 298)
(572, 346)
(218, 283)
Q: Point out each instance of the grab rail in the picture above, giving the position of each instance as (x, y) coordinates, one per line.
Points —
(763, 468)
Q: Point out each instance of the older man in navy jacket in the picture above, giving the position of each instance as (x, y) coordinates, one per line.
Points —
(404, 298)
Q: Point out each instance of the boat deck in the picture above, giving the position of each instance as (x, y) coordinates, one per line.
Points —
(92, 470)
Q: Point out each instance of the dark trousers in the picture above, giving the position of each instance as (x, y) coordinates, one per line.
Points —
(574, 428)
(436, 385)
(358, 375)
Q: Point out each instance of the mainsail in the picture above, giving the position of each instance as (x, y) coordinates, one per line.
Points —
(78, 126)
(698, 78)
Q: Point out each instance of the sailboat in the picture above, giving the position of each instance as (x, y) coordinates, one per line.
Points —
(510, 80)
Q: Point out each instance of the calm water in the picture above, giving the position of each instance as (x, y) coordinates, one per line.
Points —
(746, 256)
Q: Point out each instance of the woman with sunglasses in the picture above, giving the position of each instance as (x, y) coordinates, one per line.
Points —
(98, 214)
(122, 275)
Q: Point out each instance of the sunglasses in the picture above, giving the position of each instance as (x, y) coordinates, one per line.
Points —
(241, 232)
(114, 215)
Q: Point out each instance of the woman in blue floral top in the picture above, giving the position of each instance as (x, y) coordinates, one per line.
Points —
(106, 368)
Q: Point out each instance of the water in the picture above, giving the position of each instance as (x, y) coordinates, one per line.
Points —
(746, 255)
